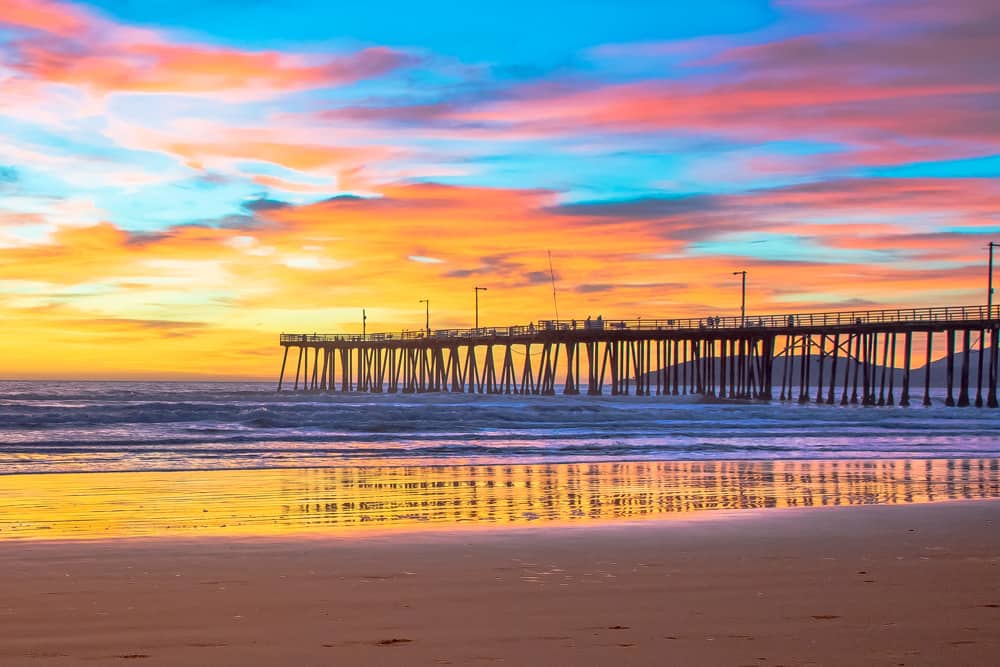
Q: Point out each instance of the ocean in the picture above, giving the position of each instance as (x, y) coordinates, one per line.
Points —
(48, 427)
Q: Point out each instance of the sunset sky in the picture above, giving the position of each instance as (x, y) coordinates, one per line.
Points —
(182, 180)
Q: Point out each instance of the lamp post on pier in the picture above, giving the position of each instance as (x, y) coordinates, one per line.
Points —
(478, 290)
(743, 302)
(427, 315)
(364, 324)
(989, 290)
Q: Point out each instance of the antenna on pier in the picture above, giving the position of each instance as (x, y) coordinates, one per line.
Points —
(552, 275)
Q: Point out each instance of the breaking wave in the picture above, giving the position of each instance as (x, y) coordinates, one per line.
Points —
(95, 426)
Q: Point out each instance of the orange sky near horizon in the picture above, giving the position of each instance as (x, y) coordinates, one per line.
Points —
(199, 302)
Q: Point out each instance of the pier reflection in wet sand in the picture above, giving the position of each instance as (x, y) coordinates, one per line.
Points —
(347, 501)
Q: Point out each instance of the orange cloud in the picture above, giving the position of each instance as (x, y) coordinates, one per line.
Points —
(286, 185)
(294, 156)
(210, 300)
(161, 67)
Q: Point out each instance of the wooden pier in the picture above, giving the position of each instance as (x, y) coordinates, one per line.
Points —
(852, 357)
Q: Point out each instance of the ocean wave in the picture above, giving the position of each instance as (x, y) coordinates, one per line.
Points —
(64, 426)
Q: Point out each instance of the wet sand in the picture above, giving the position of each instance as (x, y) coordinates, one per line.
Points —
(336, 502)
(868, 585)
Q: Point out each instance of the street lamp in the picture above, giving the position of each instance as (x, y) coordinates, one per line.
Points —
(364, 324)
(478, 290)
(427, 315)
(989, 291)
(743, 302)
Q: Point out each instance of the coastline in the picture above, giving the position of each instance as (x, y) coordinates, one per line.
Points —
(906, 584)
(799, 562)
(364, 500)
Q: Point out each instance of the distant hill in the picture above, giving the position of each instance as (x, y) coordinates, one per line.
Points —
(938, 371)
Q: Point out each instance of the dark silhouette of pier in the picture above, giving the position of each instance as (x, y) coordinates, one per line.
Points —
(846, 357)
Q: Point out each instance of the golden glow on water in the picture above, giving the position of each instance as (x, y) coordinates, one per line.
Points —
(348, 501)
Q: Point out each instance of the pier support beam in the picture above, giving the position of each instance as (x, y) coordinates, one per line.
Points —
(904, 399)
(885, 363)
(979, 374)
(298, 370)
(833, 369)
(892, 368)
(950, 343)
(927, 369)
(868, 391)
(804, 369)
(963, 389)
(768, 346)
(847, 369)
(991, 396)
(281, 378)
(732, 368)
(857, 367)
(819, 371)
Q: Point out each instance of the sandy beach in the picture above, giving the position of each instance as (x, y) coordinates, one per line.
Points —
(560, 333)
(873, 585)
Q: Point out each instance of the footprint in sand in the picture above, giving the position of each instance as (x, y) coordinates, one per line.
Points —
(392, 642)
(207, 644)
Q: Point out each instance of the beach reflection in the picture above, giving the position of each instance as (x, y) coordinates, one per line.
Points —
(347, 501)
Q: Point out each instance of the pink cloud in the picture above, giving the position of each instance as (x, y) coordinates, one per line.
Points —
(65, 45)
(878, 119)
(891, 81)
(49, 16)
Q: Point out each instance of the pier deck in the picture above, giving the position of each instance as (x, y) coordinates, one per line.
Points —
(853, 354)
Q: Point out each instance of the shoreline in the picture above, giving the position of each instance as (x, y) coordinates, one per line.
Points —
(502, 461)
(879, 585)
(468, 532)
(388, 498)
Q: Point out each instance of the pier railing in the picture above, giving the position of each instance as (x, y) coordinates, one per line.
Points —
(787, 320)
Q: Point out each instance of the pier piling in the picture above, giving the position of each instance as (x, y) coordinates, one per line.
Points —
(721, 358)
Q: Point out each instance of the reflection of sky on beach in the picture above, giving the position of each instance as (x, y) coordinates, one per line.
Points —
(336, 502)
